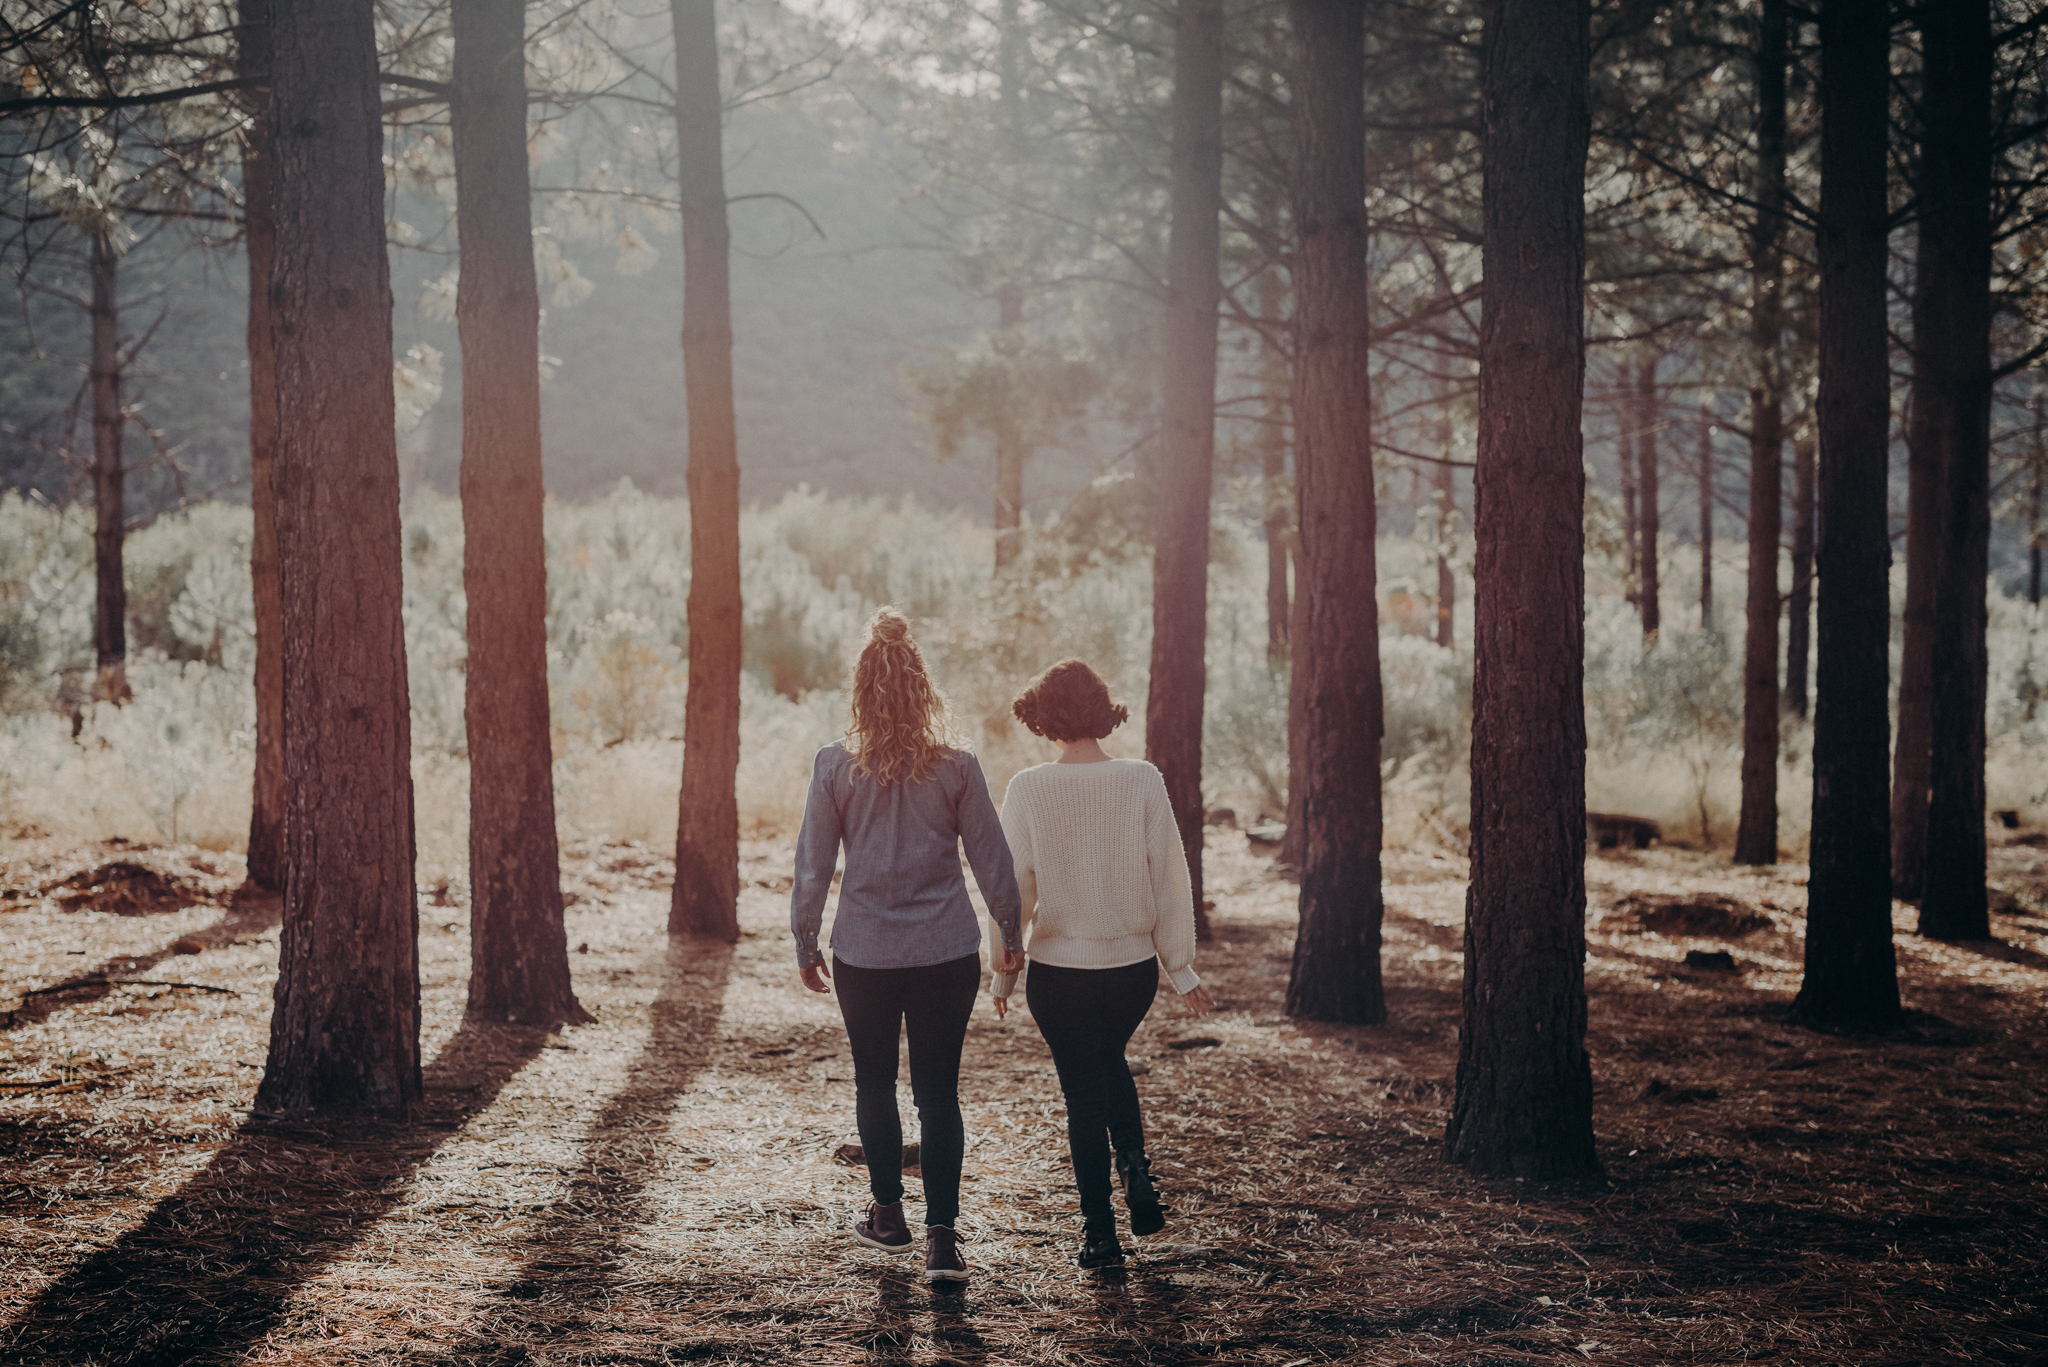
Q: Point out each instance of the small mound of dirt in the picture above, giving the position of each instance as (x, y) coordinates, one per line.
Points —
(125, 888)
(1706, 916)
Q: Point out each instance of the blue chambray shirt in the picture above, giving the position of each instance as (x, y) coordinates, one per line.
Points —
(902, 902)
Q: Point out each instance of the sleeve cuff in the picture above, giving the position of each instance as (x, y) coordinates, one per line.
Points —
(1183, 979)
(1001, 985)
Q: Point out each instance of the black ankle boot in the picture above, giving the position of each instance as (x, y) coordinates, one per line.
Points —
(1141, 1198)
(1100, 1250)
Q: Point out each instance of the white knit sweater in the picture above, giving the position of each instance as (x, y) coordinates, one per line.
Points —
(1100, 869)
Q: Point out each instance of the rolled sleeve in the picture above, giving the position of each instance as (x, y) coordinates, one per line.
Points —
(817, 853)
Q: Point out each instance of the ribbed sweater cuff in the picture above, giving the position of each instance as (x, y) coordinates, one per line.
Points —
(1002, 984)
(1184, 980)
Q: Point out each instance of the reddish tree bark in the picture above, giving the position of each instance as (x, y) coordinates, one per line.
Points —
(344, 1031)
(1851, 979)
(1756, 832)
(518, 950)
(1952, 341)
(1180, 561)
(1446, 579)
(707, 888)
(1799, 611)
(266, 807)
(109, 479)
(1336, 972)
(1648, 416)
(1631, 520)
(1912, 745)
(1524, 1103)
(1705, 467)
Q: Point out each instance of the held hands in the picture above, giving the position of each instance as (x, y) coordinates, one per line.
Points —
(1198, 1002)
(1010, 961)
(816, 977)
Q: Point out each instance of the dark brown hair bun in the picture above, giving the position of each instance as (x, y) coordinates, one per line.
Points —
(1069, 702)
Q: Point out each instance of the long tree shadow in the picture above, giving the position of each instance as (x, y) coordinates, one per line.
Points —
(574, 1245)
(251, 912)
(211, 1268)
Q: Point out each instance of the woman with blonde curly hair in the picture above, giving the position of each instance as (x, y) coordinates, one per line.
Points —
(902, 797)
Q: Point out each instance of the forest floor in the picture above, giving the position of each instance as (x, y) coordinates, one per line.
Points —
(661, 1186)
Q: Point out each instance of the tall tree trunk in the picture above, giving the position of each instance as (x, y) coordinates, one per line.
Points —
(344, 1030)
(1010, 449)
(1954, 271)
(707, 888)
(1912, 750)
(2035, 539)
(1009, 441)
(1297, 680)
(1447, 515)
(1274, 491)
(1631, 519)
(266, 806)
(1648, 416)
(1706, 483)
(1756, 833)
(1524, 1103)
(1180, 563)
(109, 479)
(1799, 627)
(1336, 973)
(518, 950)
(1851, 979)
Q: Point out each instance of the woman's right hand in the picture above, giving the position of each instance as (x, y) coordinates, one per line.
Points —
(1198, 1001)
(816, 976)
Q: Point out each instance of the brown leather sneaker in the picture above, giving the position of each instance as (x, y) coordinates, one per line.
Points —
(942, 1261)
(884, 1229)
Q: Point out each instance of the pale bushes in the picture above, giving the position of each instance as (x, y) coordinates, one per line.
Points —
(779, 738)
(2016, 712)
(173, 766)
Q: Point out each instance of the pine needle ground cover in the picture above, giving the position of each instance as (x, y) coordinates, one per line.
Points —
(662, 1186)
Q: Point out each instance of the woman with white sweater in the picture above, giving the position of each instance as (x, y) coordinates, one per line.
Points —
(1106, 906)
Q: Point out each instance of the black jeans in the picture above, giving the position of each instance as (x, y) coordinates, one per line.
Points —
(1087, 1016)
(932, 1002)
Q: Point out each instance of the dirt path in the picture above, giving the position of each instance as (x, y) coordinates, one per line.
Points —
(660, 1186)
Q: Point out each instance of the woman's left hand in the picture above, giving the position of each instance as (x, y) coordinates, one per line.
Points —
(815, 977)
(1198, 1002)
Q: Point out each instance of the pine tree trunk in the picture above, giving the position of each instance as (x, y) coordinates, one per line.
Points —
(1851, 979)
(1799, 613)
(344, 1030)
(1648, 415)
(1446, 579)
(1524, 1103)
(1631, 519)
(519, 952)
(707, 888)
(1297, 679)
(1954, 271)
(1336, 973)
(1009, 444)
(1706, 483)
(1273, 365)
(266, 806)
(2035, 500)
(109, 480)
(1180, 565)
(1913, 744)
(1756, 833)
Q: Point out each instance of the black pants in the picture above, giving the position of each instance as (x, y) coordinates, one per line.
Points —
(931, 1003)
(1087, 1016)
